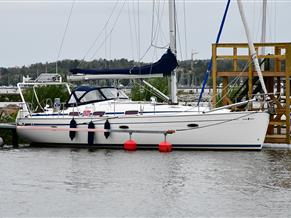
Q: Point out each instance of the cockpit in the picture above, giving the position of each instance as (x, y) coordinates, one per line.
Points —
(85, 95)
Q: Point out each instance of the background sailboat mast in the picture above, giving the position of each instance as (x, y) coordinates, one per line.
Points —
(172, 30)
(251, 46)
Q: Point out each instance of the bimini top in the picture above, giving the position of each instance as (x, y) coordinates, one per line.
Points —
(86, 95)
(164, 66)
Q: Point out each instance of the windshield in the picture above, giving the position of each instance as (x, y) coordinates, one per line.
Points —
(111, 93)
(93, 95)
(90, 95)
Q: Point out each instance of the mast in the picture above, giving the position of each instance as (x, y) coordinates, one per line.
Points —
(172, 30)
(251, 46)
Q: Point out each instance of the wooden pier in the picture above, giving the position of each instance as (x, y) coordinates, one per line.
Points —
(12, 128)
(276, 69)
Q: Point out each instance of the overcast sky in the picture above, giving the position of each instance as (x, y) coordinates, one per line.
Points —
(32, 31)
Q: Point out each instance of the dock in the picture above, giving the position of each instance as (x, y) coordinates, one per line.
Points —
(12, 128)
(276, 69)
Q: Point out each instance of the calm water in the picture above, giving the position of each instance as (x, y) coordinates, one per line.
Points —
(72, 182)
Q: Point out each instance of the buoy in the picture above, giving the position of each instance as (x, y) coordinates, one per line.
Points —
(73, 124)
(130, 145)
(165, 146)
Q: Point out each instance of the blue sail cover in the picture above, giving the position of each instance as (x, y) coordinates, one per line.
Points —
(165, 66)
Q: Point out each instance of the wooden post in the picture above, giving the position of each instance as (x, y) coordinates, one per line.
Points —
(14, 139)
(224, 90)
(235, 59)
(277, 69)
(288, 71)
(214, 76)
(250, 77)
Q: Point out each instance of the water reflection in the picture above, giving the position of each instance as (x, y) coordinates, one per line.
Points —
(279, 167)
(144, 183)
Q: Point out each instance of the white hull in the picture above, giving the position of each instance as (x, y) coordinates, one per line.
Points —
(232, 130)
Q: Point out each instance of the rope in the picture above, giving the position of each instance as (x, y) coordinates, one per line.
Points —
(215, 124)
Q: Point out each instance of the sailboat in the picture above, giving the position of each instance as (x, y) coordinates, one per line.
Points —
(106, 117)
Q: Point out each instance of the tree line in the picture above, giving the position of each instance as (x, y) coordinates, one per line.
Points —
(189, 73)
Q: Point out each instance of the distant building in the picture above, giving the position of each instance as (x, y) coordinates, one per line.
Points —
(48, 77)
(44, 78)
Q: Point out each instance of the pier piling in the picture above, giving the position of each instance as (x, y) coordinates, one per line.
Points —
(12, 128)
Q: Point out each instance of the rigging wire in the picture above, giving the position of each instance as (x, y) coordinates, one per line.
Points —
(260, 21)
(234, 81)
(271, 33)
(185, 28)
(100, 33)
(154, 35)
(153, 21)
(275, 20)
(138, 22)
(210, 62)
(178, 34)
(64, 35)
(135, 25)
(154, 40)
(254, 18)
(131, 32)
(110, 32)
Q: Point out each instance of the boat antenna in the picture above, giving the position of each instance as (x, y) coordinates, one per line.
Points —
(172, 31)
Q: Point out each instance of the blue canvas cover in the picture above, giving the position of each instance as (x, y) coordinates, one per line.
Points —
(165, 66)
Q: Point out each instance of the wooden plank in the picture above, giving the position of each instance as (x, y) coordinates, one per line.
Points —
(246, 57)
(276, 136)
(288, 70)
(277, 68)
(235, 59)
(275, 139)
(245, 74)
(250, 77)
(214, 72)
(277, 123)
(224, 90)
(245, 45)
